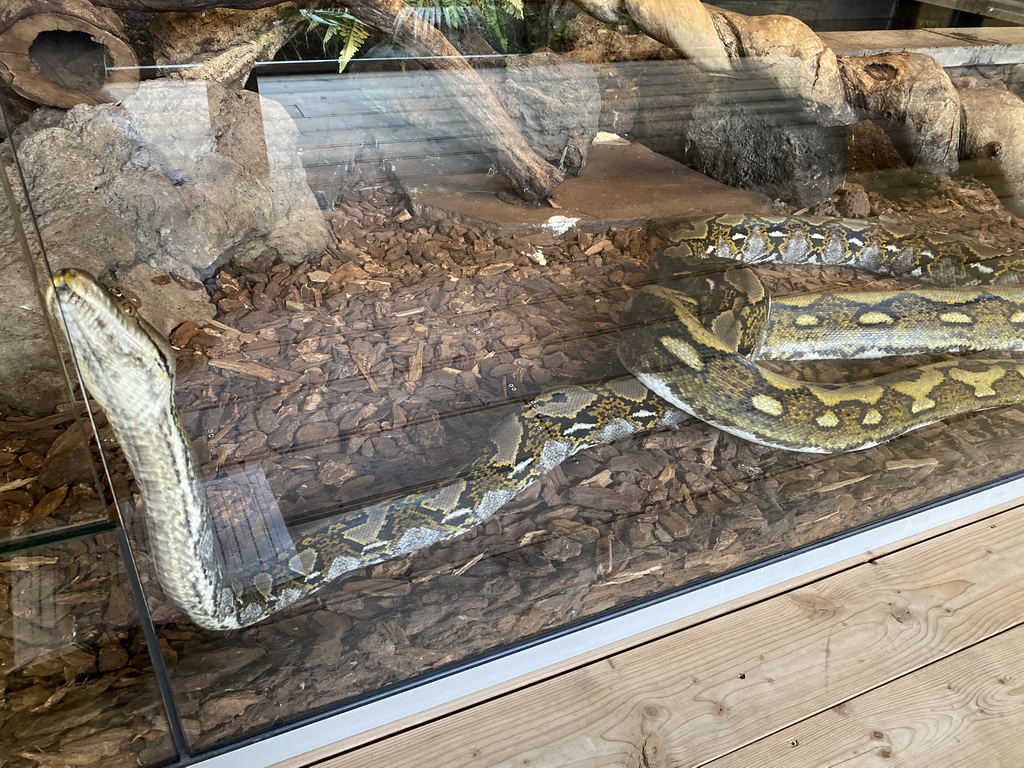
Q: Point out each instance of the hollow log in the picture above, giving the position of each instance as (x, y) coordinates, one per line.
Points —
(64, 52)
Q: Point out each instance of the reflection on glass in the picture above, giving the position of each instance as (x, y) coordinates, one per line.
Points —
(78, 684)
(47, 480)
(367, 287)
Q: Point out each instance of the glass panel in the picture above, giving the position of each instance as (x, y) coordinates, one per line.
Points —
(47, 477)
(369, 317)
(78, 686)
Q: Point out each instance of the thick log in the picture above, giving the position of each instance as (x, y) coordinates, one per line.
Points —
(220, 45)
(683, 25)
(686, 26)
(787, 52)
(64, 52)
(531, 177)
(992, 149)
(914, 99)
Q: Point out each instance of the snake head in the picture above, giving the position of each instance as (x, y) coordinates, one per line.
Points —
(122, 358)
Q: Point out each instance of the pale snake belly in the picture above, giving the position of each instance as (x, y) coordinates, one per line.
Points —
(691, 343)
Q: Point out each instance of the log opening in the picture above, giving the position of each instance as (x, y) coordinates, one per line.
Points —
(71, 59)
(64, 52)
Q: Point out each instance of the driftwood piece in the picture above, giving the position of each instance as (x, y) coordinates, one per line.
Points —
(220, 45)
(916, 101)
(787, 51)
(909, 93)
(64, 52)
(683, 25)
(531, 177)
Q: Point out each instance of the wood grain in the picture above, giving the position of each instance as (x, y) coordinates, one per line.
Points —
(965, 710)
(60, 80)
(703, 692)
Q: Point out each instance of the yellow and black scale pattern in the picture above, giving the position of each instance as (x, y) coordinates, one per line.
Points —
(702, 359)
(692, 344)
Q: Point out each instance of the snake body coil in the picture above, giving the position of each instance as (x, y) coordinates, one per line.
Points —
(692, 345)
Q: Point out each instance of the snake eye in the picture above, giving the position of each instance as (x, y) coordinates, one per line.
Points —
(129, 308)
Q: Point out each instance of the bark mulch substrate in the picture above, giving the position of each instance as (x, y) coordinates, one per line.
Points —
(379, 368)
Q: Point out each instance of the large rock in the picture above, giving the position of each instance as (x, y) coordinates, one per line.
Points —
(177, 300)
(31, 378)
(183, 176)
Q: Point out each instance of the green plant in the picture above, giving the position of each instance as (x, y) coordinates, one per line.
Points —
(334, 23)
(454, 13)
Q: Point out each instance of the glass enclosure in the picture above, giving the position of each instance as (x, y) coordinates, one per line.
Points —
(413, 422)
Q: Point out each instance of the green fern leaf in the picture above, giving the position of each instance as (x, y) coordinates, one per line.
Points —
(354, 35)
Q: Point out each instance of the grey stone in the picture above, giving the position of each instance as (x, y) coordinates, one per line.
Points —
(166, 305)
(31, 377)
(184, 176)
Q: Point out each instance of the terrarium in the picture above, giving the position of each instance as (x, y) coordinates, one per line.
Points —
(349, 348)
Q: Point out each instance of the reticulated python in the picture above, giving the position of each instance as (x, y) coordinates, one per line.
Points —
(691, 343)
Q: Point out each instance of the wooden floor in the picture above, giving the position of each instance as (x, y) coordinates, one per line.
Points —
(910, 657)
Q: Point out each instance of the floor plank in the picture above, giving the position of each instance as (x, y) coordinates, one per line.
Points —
(965, 710)
(701, 693)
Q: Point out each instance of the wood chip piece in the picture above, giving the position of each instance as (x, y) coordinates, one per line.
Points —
(251, 369)
(15, 484)
(47, 505)
(911, 463)
(840, 484)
